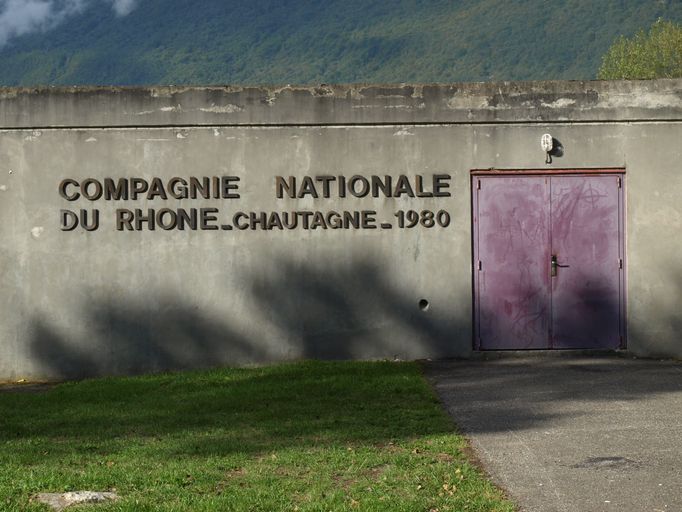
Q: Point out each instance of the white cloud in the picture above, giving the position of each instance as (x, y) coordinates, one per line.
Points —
(19, 17)
(123, 7)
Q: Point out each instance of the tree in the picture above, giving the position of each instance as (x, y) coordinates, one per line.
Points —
(647, 55)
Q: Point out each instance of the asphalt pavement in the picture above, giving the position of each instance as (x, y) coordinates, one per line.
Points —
(572, 433)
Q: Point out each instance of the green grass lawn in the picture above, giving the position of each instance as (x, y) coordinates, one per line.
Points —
(309, 436)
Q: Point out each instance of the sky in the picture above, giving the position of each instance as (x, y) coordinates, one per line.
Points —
(19, 17)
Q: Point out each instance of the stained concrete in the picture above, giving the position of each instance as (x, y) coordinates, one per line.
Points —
(561, 434)
(370, 104)
(79, 303)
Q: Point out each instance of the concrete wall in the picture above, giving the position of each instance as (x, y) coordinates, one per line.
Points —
(78, 303)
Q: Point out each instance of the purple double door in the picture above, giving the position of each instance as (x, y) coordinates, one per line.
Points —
(548, 261)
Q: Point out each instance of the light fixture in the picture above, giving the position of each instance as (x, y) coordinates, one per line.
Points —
(547, 144)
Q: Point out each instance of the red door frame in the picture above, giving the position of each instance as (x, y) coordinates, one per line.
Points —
(551, 172)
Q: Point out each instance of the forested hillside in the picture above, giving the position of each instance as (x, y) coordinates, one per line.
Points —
(324, 41)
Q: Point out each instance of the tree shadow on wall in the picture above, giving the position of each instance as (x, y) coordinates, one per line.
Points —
(354, 312)
(128, 337)
(315, 312)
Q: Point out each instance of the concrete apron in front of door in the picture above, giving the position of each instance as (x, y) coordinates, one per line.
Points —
(548, 261)
(567, 434)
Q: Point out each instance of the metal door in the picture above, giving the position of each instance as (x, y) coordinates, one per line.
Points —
(548, 254)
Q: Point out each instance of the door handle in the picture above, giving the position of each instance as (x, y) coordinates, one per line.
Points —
(555, 265)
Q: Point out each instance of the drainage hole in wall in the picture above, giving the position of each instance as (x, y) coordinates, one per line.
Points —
(424, 305)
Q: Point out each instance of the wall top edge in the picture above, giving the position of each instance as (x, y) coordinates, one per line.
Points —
(328, 104)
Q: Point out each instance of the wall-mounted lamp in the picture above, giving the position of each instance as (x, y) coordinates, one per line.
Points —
(547, 144)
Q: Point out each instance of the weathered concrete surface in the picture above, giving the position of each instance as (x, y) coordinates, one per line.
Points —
(562, 434)
(79, 303)
(488, 102)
